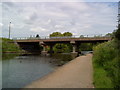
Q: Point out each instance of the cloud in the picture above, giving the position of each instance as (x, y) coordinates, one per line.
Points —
(1, 24)
(49, 21)
(47, 17)
(42, 1)
(38, 29)
(58, 26)
(60, 1)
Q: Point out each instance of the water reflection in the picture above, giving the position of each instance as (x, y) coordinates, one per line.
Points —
(61, 59)
(8, 56)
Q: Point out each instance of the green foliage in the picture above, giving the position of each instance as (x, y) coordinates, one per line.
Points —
(67, 47)
(106, 67)
(86, 46)
(110, 34)
(108, 49)
(100, 78)
(60, 48)
(117, 65)
(67, 34)
(56, 34)
(81, 36)
(9, 46)
(117, 34)
(8, 56)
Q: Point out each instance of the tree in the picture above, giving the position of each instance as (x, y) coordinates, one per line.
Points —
(61, 47)
(117, 34)
(108, 35)
(81, 36)
(67, 34)
(56, 34)
(37, 36)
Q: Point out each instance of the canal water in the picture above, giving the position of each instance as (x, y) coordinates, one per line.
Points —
(20, 70)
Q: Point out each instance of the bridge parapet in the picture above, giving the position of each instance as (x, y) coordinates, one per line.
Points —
(62, 37)
(56, 40)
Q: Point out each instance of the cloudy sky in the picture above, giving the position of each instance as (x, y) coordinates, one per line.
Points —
(43, 18)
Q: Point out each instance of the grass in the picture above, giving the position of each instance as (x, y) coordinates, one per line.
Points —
(106, 65)
(101, 80)
(9, 46)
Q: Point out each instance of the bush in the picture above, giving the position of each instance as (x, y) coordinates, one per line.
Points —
(105, 60)
(100, 78)
(104, 52)
(117, 34)
(9, 46)
(62, 48)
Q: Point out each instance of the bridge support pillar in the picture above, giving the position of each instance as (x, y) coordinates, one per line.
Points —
(74, 53)
(44, 52)
(74, 48)
(44, 47)
(51, 49)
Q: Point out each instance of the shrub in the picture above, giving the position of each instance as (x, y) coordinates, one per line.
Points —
(107, 60)
(8, 45)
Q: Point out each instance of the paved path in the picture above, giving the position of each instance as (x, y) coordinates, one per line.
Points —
(75, 74)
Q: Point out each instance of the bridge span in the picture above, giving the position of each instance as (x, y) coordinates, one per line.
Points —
(34, 43)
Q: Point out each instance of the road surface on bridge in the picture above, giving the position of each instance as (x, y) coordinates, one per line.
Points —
(78, 73)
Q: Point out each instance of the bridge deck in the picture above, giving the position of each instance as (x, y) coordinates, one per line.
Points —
(64, 39)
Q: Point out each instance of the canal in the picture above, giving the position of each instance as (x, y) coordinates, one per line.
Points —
(20, 70)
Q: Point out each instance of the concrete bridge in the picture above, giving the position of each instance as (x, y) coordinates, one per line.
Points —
(33, 44)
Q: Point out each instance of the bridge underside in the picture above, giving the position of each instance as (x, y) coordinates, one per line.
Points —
(35, 45)
(32, 47)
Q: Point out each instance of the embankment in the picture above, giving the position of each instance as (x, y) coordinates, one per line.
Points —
(106, 65)
(9, 47)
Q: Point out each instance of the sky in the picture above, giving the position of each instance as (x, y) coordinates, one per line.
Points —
(43, 18)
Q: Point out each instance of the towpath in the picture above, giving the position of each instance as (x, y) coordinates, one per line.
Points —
(78, 73)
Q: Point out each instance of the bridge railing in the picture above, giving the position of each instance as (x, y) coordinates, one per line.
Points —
(61, 37)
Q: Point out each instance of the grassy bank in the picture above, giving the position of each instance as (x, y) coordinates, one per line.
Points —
(106, 65)
(9, 46)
